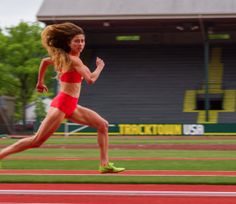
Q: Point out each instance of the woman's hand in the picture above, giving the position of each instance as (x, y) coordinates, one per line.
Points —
(100, 63)
(41, 88)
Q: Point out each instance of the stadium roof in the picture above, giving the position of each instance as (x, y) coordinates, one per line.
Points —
(53, 10)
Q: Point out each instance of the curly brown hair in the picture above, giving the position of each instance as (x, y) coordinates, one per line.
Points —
(56, 39)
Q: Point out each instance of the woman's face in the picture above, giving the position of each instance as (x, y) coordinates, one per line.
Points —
(77, 43)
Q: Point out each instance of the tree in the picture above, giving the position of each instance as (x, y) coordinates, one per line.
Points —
(21, 52)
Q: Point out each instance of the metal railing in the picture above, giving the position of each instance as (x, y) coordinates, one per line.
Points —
(67, 131)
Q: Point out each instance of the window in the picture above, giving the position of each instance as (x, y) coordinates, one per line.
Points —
(215, 101)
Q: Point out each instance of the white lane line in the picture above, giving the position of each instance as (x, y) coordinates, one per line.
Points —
(119, 193)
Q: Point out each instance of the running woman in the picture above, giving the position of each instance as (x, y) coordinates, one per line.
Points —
(64, 43)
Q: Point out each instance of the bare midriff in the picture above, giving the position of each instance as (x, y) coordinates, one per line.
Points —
(72, 89)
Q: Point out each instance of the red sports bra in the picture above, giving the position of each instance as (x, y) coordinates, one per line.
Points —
(71, 76)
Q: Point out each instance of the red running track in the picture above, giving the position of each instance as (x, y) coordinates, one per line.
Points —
(116, 194)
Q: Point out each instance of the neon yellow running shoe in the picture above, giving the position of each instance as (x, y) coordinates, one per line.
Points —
(110, 168)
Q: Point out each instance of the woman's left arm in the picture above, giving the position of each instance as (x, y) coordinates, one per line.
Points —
(90, 77)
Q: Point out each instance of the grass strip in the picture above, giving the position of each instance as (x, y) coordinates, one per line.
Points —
(129, 165)
(60, 152)
(117, 179)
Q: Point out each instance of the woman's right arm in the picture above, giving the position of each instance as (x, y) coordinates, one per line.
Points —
(45, 62)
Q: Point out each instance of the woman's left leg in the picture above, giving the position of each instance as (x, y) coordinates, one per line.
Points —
(88, 117)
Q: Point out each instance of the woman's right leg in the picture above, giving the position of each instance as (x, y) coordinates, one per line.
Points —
(88, 117)
(46, 129)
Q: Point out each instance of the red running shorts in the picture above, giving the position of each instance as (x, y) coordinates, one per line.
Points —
(65, 103)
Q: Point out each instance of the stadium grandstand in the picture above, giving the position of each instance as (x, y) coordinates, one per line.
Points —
(167, 61)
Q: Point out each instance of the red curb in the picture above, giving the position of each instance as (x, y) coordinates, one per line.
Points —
(145, 146)
(115, 158)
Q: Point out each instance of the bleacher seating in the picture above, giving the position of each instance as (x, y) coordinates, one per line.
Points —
(229, 79)
(145, 85)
